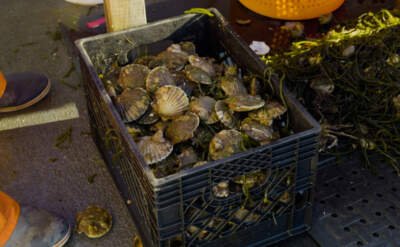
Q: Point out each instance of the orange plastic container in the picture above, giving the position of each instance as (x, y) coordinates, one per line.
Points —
(292, 9)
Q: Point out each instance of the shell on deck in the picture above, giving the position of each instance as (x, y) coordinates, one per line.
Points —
(158, 77)
(133, 76)
(170, 102)
(242, 103)
(155, 148)
(225, 143)
(133, 103)
(182, 128)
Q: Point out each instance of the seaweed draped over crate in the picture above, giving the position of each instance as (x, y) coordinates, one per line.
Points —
(350, 81)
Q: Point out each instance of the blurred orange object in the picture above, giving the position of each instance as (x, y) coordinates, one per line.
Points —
(292, 9)
(9, 214)
(3, 84)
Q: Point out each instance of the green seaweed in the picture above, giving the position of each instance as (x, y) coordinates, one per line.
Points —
(64, 138)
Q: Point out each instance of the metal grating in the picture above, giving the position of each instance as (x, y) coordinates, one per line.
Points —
(354, 207)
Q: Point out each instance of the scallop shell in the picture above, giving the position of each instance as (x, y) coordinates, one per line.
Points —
(225, 143)
(221, 190)
(188, 47)
(202, 64)
(170, 59)
(144, 60)
(204, 107)
(225, 115)
(154, 148)
(266, 114)
(197, 75)
(183, 82)
(158, 77)
(133, 103)
(133, 76)
(94, 222)
(242, 103)
(149, 117)
(232, 86)
(257, 131)
(170, 102)
(182, 128)
(188, 156)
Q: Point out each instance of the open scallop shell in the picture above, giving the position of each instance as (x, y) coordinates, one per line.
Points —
(158, 77)
(204, 107)
(150, 117)
(133, 103)
(232, 86)
(133, 76)
(242, 103)
(155, 148)
(188, 156)
(225, 143)
(182, 128)
(170, 102)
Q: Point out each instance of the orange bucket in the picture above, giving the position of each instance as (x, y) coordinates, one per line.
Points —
(292, 9)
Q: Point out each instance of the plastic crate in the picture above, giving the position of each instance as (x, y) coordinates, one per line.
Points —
(182, 206)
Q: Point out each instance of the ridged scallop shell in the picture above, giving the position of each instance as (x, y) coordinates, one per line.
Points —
(158, 77)
(232, 86)
(274, 109)
(242, 103)
(202, 64)
(225, 115)
(133, 76)
(182, 128)
(154, 148)
(225, 143)
(170, 102)
(197, 75)
(144, 60)
(183, 82)
(259, 132)
(188, 47)
(204, 107)
(133, 103)
(172, 59)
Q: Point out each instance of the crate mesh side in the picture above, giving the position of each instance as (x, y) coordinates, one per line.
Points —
(139, 188)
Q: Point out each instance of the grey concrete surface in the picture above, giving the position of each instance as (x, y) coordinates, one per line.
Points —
(32, 169)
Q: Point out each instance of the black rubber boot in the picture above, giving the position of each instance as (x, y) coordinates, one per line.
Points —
(23, 90)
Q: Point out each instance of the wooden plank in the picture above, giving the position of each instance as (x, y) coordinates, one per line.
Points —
(123, 14)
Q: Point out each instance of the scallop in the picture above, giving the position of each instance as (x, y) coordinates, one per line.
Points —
(144, 60)
(232, 86)
(188, 156)
(154, 148)
(221, 190)
(204, 107)
(171, 59)
(197, 75)
(183, 82)
(133, 103)
(170, 102)
(266, 114)
(158, 77)
(225, 143)
(133, 76)
(182, 128)
(188, 47)
(225, 115)
(150, 117)
(203, 64)
(242, 103)
(259, 132)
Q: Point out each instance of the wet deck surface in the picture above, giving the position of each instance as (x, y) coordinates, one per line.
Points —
(32, 169)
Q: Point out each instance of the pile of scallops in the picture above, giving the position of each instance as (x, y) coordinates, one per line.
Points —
(183, 110)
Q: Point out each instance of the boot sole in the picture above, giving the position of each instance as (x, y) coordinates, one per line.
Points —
(29, 103)
(63, 241)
